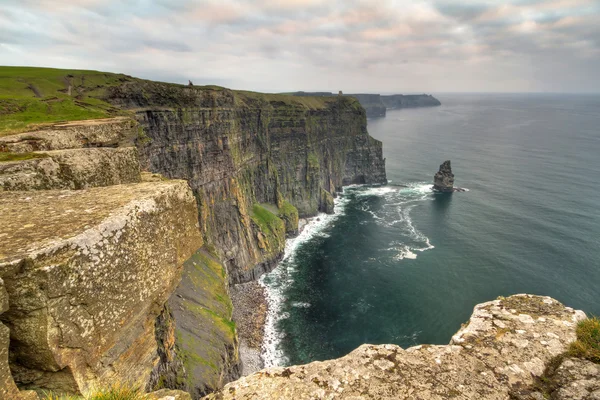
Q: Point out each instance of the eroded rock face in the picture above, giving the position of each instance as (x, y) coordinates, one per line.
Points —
(87, 272)
(72, 169)
(505, 345)
(443, 181)
(110, 132)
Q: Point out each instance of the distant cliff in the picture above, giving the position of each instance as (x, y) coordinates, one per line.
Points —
(409, 101)
(375, 105)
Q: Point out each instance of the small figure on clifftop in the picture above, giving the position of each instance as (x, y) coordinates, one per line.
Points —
(443, 180)
(190, 83)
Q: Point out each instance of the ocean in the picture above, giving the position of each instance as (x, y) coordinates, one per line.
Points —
(400, 264)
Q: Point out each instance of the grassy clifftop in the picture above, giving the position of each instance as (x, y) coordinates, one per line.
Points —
(31, 96)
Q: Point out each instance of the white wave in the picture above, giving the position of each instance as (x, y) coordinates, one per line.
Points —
(277, 281)
(299, 304)
(377, 191)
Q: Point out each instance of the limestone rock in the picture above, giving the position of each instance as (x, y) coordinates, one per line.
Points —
(443, 181)
(504, 346)
(72, 169)
(577, 380)
(110, 132)
(87, 273)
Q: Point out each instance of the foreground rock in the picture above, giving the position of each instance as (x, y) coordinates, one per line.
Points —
(443, 180)
(506, 344)
(86, 273)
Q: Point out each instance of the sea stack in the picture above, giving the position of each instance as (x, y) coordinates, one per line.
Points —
(443, 180)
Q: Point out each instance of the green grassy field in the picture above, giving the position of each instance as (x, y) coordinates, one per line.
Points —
(31, 96)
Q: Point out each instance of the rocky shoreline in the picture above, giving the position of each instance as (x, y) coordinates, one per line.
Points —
(249, 313)
(250, 309)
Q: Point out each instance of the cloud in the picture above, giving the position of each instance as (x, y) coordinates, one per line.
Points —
(281, 45)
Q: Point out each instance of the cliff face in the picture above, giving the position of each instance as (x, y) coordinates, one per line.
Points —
(255, 163)
(409, 101)
(505, 346)
(86, 272)
(372, 104)
(239, 150)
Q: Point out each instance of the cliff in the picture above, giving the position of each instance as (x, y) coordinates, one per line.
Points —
(375, 105)
(504, 351)
(254, 162)
(409, 101)
(372, 104)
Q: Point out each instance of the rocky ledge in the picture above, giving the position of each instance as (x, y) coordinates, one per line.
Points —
(502, 350)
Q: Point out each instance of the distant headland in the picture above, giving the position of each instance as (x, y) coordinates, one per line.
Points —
(376, 105)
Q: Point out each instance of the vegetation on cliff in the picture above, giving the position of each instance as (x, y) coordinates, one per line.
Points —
(587, 344)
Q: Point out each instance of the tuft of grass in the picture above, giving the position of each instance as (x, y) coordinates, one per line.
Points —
(4, 156)
(587, 344)
(117, 391)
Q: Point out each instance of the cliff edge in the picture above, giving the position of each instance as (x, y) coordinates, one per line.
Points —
(502, 350)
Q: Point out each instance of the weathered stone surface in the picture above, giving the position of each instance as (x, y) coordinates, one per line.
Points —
(577, 379)
(111, 132)
(72, 169)
(87, 272)
(167, 394)
(505, 345)
(570, 379)
(443, 180)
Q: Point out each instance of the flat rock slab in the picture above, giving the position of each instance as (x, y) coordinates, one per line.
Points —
(87, 272)
(504, 346)
(36, 220)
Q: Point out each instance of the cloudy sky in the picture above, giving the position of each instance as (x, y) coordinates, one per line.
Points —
(280, 45)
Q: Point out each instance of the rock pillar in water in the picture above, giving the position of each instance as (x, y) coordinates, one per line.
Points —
(443, 180)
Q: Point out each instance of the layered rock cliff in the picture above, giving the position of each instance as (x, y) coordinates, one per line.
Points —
(254, 162)
(86, 272)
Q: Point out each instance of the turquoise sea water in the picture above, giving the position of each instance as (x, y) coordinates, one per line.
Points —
(399, 264)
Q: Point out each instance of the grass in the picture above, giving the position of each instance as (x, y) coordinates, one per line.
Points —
(31, 96)
(271, 226)
(118, 391)
(20, 156)
(312, 103)
(587, 344)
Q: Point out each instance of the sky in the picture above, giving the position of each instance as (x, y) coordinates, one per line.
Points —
(376, 46)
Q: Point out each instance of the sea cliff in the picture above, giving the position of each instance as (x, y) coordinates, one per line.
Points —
(251, 165)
